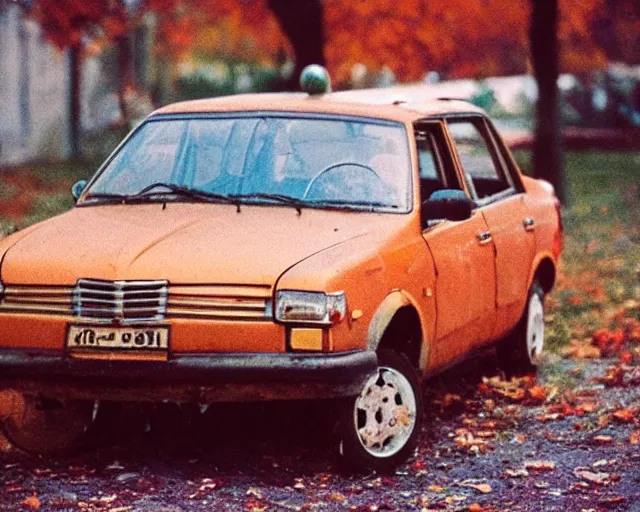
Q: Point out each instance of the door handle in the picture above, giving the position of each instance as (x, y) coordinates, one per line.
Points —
(484, 237)
(529, 224)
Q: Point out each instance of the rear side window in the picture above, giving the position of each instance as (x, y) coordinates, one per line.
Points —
(480, 163)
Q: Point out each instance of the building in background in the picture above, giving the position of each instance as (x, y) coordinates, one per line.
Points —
(35, 89)
(34, 117)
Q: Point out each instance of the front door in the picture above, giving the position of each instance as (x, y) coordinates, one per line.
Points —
(463, 253)
(463, 256)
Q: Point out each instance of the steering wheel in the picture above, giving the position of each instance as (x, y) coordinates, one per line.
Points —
(333, 167)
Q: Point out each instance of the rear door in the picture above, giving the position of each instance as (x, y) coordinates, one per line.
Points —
(499, 195)
(463, 256)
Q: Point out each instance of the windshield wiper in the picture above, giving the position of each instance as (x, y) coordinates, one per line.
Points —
(279, 198)
(106, 195)
(350, 205)
(146, 192)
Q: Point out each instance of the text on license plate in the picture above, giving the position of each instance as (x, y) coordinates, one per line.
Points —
(121, 338)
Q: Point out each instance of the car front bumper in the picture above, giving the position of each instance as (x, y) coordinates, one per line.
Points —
(202, 378)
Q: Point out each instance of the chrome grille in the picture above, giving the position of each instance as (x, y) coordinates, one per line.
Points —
(127, 301)
(37, 299)
(239, 302)
(140, 301)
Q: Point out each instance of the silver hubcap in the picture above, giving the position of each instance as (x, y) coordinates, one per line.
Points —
(535, 329)
(385, 413)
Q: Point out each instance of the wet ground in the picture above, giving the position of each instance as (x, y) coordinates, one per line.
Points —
(570, 442)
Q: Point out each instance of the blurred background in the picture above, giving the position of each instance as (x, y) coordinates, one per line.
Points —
(76, 75)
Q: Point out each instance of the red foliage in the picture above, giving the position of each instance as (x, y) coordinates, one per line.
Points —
(66, 22)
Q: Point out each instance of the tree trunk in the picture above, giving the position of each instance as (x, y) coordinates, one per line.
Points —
(125, 58)
(547, 151)
(75, 65)
(302, 22)
(125, 74)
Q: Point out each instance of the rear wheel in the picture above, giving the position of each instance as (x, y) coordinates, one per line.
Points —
(521, 352)
(380, 427)
(45, 426)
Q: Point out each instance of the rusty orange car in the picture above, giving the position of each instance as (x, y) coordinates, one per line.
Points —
(280, 246)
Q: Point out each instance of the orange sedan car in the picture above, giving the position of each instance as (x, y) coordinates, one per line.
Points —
(279, 246)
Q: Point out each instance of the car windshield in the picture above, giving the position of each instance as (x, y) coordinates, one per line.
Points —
(311, 161)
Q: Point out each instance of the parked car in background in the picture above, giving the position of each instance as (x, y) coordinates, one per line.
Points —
(280, 246)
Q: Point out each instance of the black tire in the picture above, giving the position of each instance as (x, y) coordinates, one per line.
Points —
(354, 455)
(516, 355)
(49, 427)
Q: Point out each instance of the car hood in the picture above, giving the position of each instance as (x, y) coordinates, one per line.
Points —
(181, 242)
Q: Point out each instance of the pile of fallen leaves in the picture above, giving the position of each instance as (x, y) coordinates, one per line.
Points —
(623, 341)
(523, 390)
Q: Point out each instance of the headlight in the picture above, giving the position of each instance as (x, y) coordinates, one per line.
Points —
(314, 307)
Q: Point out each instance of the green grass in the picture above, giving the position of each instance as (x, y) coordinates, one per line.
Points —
(47, 206)
(600, 266)
(54, 175)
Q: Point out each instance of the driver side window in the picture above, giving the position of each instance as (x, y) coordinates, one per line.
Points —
(437, 171)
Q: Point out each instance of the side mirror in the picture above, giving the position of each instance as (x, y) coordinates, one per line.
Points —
(78, 188)
(447, 204)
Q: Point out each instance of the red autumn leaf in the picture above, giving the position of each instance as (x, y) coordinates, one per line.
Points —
(31, 502)
(626, 357)
(585, 408)
(575, 300)
(625, 415)
(538, 393)
(540, 465)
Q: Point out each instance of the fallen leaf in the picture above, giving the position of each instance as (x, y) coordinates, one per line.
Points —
(451, 399)
(516, 473)
(537, 393)
(31, 502)
(540, 465)
(625, 415)
(475, 507)
(603, 439)
(254, 492)
(634, 438)
(611, 502)
(599, 478)
(337, 497)
(582, 350)
(585, 408)
(452, 499)
(483, 488)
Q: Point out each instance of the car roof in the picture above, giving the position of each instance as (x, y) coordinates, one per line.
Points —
(401, 103)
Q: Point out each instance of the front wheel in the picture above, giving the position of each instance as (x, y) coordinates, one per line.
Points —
(380, 427)
(521, 352)
(46, 426)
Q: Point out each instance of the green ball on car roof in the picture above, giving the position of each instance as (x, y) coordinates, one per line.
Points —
(315, 79)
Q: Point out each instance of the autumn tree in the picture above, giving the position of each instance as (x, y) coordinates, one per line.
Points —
(68, 24)
(617, 30)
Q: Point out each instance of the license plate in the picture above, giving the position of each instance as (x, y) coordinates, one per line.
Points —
(82, 337)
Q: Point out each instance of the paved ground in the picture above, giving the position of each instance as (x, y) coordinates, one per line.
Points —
(485, 446)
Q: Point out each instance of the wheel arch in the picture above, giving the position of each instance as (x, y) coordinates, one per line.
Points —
(544, 271)
(399, 312)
